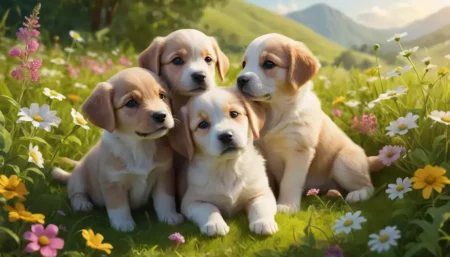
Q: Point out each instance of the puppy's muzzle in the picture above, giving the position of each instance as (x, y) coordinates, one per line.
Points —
(159, 117)
(226, 138)
(242, 81)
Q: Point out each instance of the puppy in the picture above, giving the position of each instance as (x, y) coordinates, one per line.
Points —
(304, 148)
(131, 160)
(226, 173)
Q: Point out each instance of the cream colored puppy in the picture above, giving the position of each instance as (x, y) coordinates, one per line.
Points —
(132, 159)
(226, 173)
(304, 148)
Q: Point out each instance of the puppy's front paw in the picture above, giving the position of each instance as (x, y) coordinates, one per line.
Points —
(288, 208)
(124, 225)
(359, 195)
(264, 227)
(172, 218)
(215, 227)
(81, 204)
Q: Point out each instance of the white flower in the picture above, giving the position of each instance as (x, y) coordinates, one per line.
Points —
(51, 73)
(430, 67)
(116, 51)
(398, 71)
(75, 35)
(352, 103)
(79, 85)
(383, 241)
(69, 49)
(322, 77)
(364, 89)
(402, 125)
(447, 56)
(35, 156)
(92, 54)
(348, 222)
(78, 119)
(58, 61)
(440, 116)
(397, 37)
(426, 60)
(52, 94)
(40, 117)
(371, 79)
(408, 52)
(401, 187)
(401, 90)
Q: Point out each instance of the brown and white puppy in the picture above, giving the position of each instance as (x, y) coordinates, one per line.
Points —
(226, 173)
(304, 148)
(132, 159)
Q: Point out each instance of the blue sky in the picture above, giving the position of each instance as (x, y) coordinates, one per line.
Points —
(377, 14)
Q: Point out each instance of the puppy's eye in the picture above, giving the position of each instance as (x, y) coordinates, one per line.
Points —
(162, 96)
(132, 104)
(268, 65)
(178, 61)
(203, 125)
(243, 64)
(234, 114)
(208, 60)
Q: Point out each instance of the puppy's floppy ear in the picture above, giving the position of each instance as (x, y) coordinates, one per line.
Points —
(150, 58)
(303, 64)
(180, 138)
(223, 64)
(256, 116)
(98, 107)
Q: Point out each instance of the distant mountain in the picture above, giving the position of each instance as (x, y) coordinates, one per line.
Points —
(337, 27)
(428, 25)
(439, 36)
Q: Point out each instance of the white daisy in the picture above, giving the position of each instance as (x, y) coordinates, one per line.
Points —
(402, 125)
(69, 49)
(51, 73)
(58, 61)
(372, 79)
(78, 119)
(79, 85)
(40, 117)
(92, 54)
(447, 56)
(408, 52)
(397, 37)
(399, 189)
(426, 60)
(440, 116)
(401, 90)
(52, 94)
(116, 51)
(75, 35)
(383, 241)
(35, 156)
(348, 222)
(398, 71)
(430, 67)
(352, 103)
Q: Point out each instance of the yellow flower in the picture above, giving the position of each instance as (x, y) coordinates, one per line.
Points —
(12, 187)
(73, 98)
(94, 241)
(442, 71)
(429, 178)
(371, 72)
(19, 213)
(340, 99)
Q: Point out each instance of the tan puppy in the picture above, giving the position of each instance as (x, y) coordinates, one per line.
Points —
(304, 148)
(131, 160)
(226, 173)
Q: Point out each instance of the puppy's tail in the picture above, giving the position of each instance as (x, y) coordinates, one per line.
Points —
(375, 164)
(61, 175)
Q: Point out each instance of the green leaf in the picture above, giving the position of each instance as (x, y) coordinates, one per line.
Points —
(414, 249)
(5, 140)
(4, 90)
(423, 224)
(2, 119)
(35, 140)
(57, 137)
(421, 156)
(445, 217)
(436, 142)
(73, 139)
(15, 168)
(72, 254)
(36, 170)
(11, 234)
(27, 179)
(9, 99)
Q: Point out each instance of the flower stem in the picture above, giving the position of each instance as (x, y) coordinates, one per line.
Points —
(446, 143)
(60, 144)
(70, 53)
(378, 68)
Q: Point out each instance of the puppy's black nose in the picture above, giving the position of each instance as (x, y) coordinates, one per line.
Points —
(226, 137)
(198, 77)
(159, 117)
(242, 81)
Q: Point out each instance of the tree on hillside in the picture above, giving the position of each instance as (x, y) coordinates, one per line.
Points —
(347, 59)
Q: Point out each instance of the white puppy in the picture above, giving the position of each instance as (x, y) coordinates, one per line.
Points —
(304, 148)
(226, 173)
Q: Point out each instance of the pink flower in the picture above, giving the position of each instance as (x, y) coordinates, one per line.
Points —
(17, 73)
(337, 112)
(109, 62)
(334, 251)
(74, 72)
(389, 154)
(15, 52)
(313, 191)
(124, 61)
(34, 64)
(43, 240)
(97, 70)
(366, 125)
(177, 238)
(33, 45)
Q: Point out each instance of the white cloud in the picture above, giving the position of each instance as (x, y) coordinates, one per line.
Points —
(283, 9)
(398, 15)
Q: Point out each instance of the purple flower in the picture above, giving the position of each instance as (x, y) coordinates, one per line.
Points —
(177, 238)
(33, 45)
(337, 112)
(15, 52)
(43, 240)
(334, 251)
(389, 154)
(313, 191)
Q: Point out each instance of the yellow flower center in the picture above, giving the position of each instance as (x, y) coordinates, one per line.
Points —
(399, 188)
(401, 126)
(53, 93)
(43, 241)
(76, 35)
(80, 120)
(446, 119)
(390, 154)
(384, 238)
(38, 118)
(348, 223)
(430, 180)
(34, 156)
(392, 93)
(58, 60)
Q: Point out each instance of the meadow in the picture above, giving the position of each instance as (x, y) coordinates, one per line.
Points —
(399, 113)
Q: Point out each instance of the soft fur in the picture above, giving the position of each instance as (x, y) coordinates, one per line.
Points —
(304, 148)
(226, 173)
(132, 159)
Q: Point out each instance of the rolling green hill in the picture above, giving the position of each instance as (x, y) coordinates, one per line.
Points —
(237, 23)
(437, 37)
